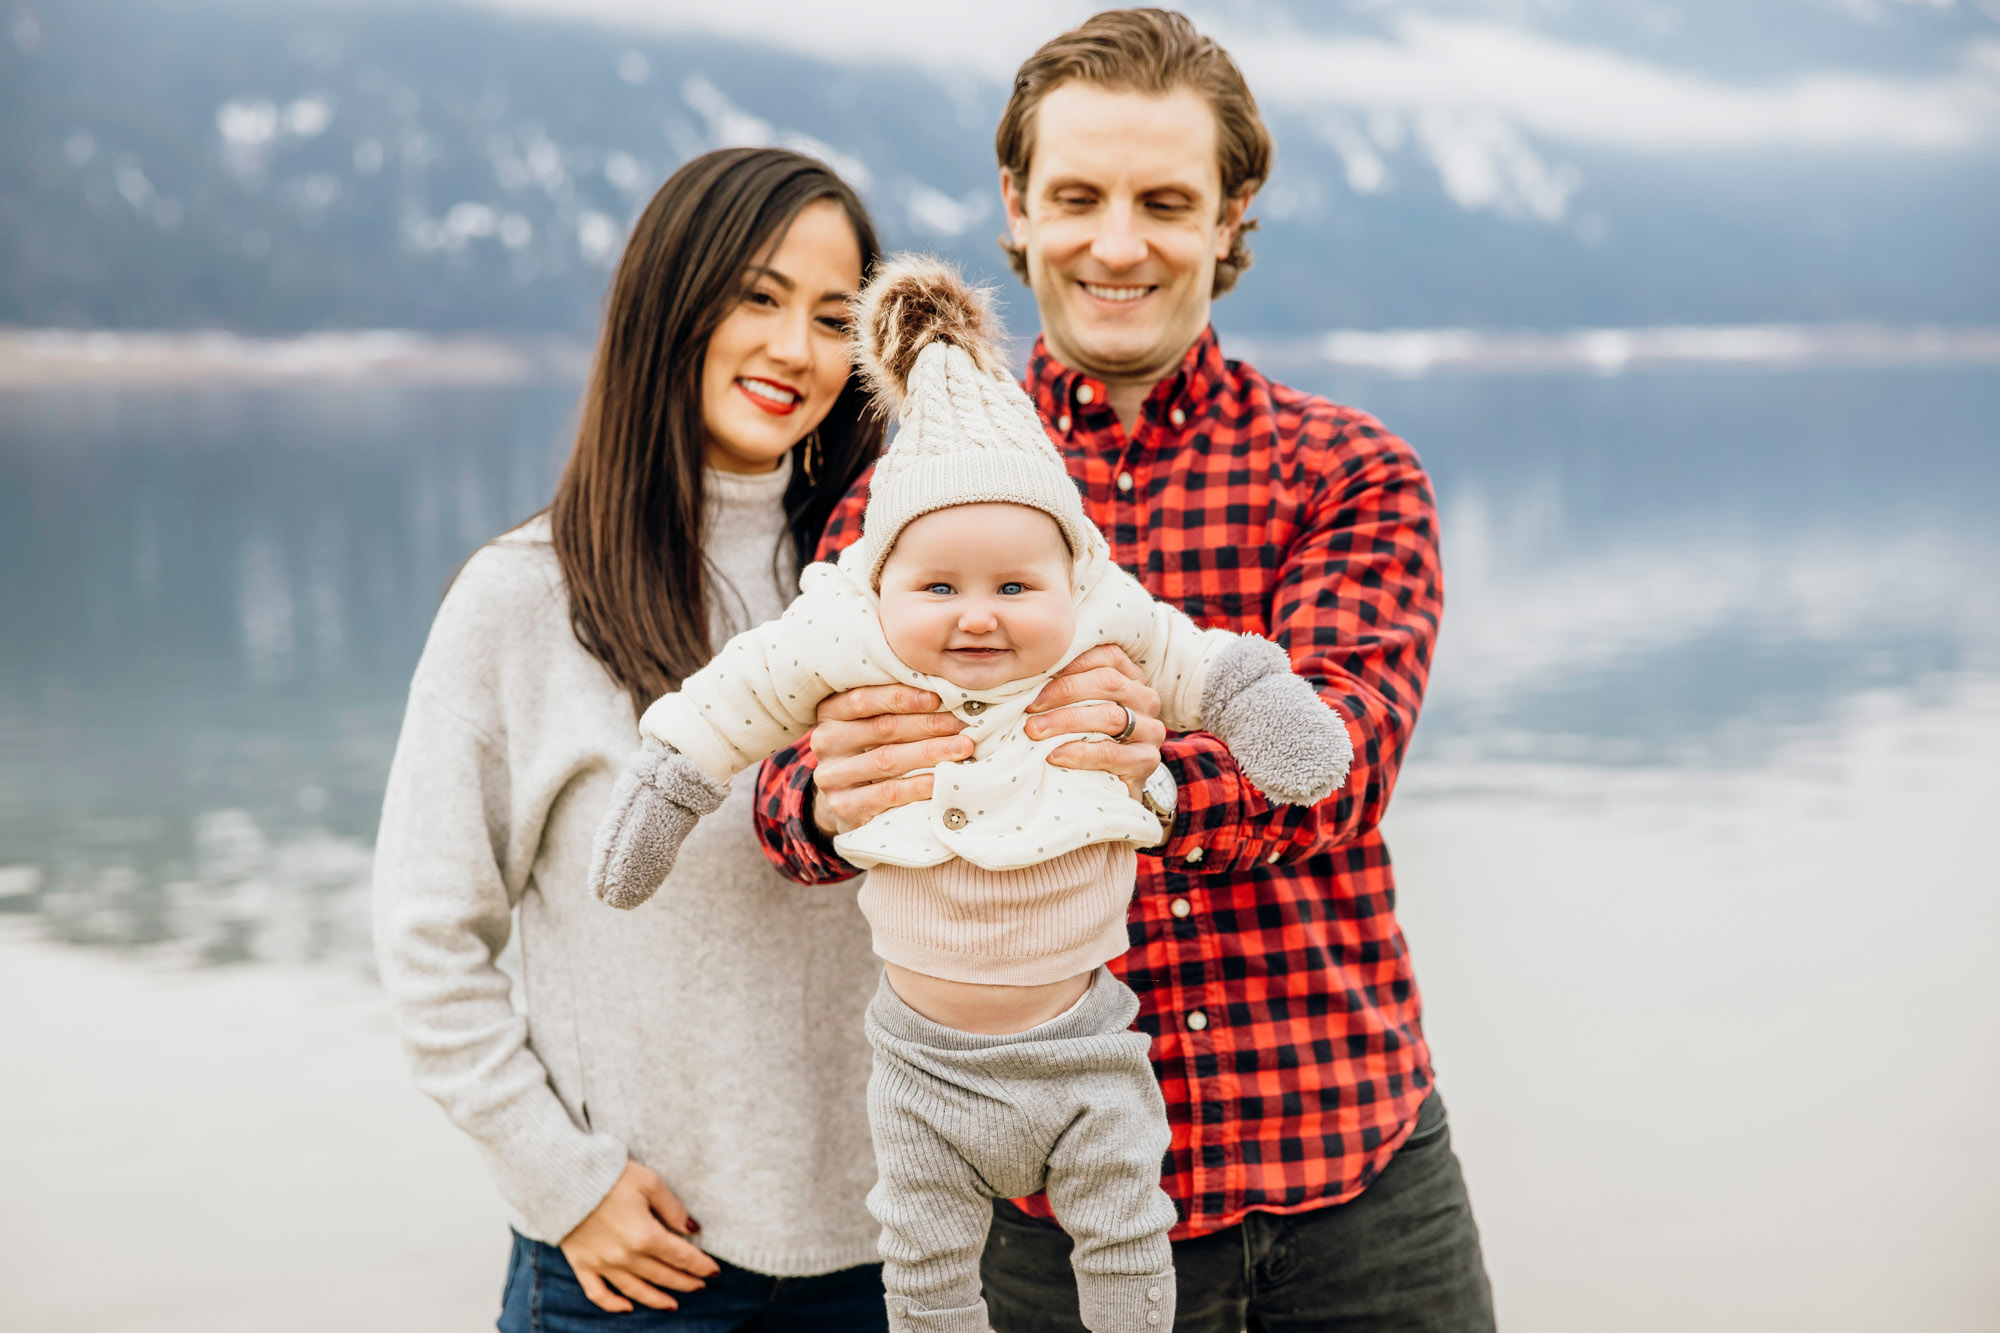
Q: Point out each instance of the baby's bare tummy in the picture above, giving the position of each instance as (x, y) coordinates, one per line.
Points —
(970, 1006)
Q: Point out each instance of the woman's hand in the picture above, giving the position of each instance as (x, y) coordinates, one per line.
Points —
(635, 1240)
(867, 741)
(1103, 673)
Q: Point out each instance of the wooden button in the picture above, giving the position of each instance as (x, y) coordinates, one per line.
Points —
(974, 706)
(954, 818)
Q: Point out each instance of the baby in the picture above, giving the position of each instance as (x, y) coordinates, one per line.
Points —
(1004, 1059)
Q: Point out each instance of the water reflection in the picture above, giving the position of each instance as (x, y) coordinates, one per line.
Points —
(1686, 567)
(212, 603)
(234, 893)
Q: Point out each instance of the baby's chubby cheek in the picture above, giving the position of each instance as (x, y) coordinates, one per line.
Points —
(915, 641)
(1048, 641)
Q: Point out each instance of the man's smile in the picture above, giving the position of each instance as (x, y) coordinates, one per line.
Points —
(1117, 295)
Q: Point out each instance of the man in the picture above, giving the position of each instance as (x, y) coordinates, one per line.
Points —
(1311, 1164)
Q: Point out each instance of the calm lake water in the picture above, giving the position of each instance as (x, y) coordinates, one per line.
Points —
(1692, 816)
(212, 602)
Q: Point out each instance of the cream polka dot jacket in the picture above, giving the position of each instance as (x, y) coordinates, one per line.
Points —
(1002, 809)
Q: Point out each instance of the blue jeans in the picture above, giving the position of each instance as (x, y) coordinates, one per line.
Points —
(543, 1296)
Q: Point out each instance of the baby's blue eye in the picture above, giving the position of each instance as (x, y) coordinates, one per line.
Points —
(1012, 588)
(941, 589)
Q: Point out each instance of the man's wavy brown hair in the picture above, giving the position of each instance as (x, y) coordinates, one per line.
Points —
(1151, 51)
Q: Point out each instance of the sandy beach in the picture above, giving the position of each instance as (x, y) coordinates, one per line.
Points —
(1719, 1045)
(200, 1151)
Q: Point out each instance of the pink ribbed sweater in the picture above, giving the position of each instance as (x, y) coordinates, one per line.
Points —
(1028, 927)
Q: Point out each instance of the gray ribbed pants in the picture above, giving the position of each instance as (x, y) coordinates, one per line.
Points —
(961, 1119)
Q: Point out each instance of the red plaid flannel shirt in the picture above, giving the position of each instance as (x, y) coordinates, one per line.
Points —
(1271, 973)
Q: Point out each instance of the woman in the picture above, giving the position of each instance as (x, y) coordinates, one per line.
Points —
(676, 1116)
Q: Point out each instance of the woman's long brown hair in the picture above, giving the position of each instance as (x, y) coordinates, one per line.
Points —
(627, 513)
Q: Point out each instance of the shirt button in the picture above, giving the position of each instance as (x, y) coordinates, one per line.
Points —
(1180, 907)
(1124, 481)
(1178, 417)
(974, 706)
(954, 818)
(1152, 1316)
(1085, 394)
(1197, 1020)
(1194, 854)
(1272, 859)
(1062, 423)
(1152, 1293)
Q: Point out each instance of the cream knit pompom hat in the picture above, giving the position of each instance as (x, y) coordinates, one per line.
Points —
(928, 344)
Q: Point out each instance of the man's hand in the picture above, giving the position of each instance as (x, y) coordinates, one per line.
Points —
(1103, 673)
(866, 743)
(635, 1240)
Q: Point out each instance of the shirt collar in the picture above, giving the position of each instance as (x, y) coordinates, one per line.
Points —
(1053, 386)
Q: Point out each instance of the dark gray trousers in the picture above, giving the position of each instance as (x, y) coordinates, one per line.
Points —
(1403, 1255)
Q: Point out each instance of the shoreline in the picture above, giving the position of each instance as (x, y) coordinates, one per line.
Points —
(1417, 353)
(54, 358)
(72, 358)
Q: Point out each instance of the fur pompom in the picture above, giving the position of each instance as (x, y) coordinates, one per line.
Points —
(912, 301)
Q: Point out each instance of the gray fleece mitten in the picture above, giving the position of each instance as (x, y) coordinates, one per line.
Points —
(1288, 742)
(654, 807)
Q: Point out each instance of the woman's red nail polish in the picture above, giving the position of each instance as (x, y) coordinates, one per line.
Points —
(694, 1227)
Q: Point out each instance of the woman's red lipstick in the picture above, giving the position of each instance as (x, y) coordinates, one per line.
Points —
(770, 404)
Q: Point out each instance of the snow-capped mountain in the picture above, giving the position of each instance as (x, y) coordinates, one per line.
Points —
(204, 163)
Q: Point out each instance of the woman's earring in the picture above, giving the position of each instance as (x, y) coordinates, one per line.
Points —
(811, 459)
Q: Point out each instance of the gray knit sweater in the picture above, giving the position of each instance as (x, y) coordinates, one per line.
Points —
(714, 1035)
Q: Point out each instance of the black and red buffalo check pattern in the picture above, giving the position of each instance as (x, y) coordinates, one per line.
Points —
(1271, 973)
